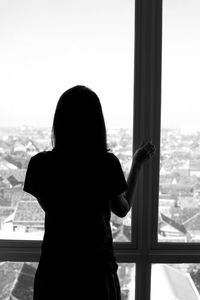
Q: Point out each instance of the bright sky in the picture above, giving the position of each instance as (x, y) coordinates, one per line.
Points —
(48, 46)
(181, 64)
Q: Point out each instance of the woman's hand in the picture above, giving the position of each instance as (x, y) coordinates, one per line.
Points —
(143, 153)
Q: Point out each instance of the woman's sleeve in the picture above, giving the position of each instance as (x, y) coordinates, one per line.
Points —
(117, 181)
(32, 179)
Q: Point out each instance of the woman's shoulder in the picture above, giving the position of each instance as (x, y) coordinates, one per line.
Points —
(111, 157)
(113, 163)
(41, 156)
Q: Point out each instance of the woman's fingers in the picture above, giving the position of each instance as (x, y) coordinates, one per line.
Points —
(142, 144)
(144, 152)
(149, 146)
(148, 150)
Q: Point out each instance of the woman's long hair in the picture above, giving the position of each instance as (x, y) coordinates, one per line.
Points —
(78, 124)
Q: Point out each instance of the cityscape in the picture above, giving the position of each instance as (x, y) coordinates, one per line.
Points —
(21, 217)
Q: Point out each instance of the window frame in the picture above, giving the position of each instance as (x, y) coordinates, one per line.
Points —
(147, 120)
(144, 250)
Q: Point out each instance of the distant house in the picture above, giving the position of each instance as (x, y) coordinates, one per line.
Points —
(7, 224)
(5, 213)
(197, 191)
(16, 196)
(19, 147)
(195, 168)
(13, 181)
(165, 205)
(31, 148)
(5, 165)
(172, 189)
(4, 147)
(5, 202)
(13, 161)
(13, 177)
(9, 193)
(19, 195)
(171, 230)
(164, 171)
(19, 174)
(28, 217)
(4, 184)
(192, 226)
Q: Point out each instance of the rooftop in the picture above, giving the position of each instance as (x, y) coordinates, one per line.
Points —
(28, 211)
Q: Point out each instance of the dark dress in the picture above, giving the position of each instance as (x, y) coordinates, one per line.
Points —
(77, 259)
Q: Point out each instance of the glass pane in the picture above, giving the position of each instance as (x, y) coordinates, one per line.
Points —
(73, 42)
(179, 194)
(120, 140)
(175, 281)
(17, 278)
(126, 274)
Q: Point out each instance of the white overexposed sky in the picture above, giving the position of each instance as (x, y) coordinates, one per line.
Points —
(48, 46)
(181, 64)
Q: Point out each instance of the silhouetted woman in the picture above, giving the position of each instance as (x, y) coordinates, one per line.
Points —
(78, 183)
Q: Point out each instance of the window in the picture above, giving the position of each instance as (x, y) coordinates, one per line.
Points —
(48, 47)
(179, 208)
(65, 47)
(173, 255)
(154, 244)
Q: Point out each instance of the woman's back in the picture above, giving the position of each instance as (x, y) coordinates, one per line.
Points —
(75, 194)
(74, 184)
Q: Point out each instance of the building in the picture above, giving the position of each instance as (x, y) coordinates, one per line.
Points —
(195, 168)
(28, 217)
